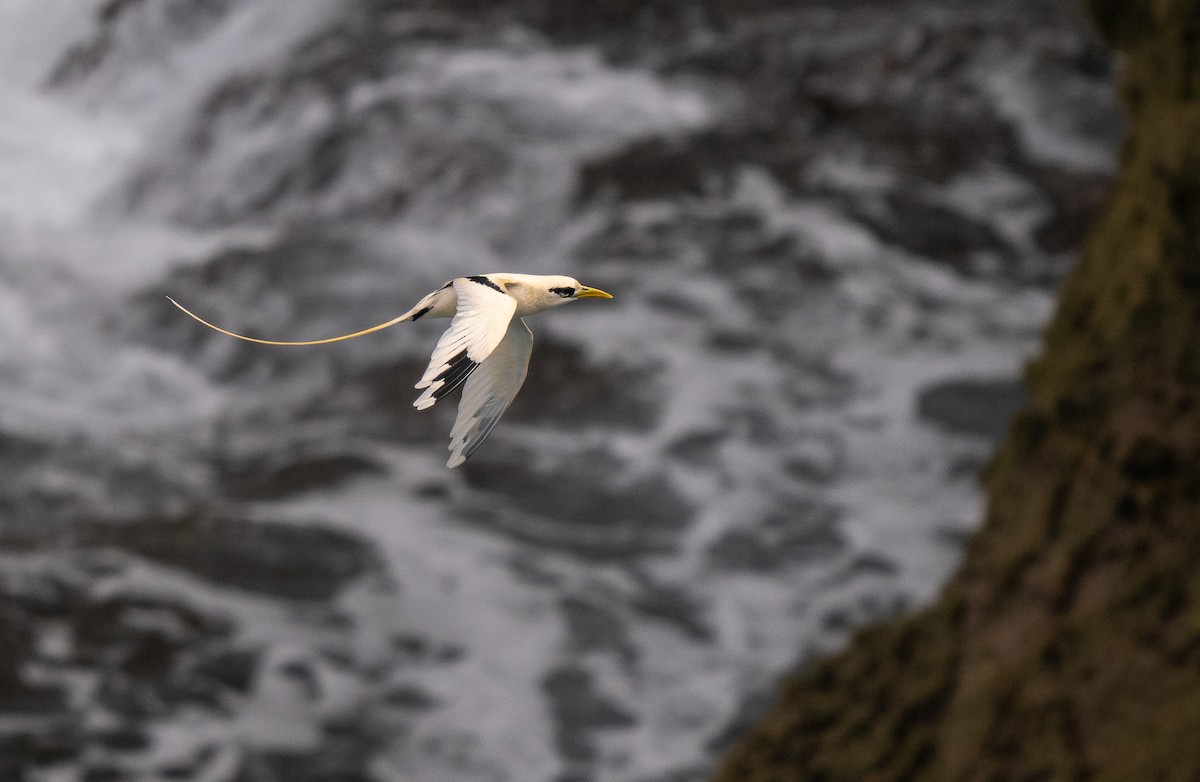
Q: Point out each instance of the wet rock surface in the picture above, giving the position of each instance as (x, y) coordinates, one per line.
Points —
(569, 392)
(308, 562)
(134, 654)
(975, 406)
(558, 508)
(263, 480)
(99, 670)
(579, 711)
(779, 541)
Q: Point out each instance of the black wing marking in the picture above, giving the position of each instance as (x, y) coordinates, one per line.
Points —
(458, 369)
(479, 278)
(480, 322)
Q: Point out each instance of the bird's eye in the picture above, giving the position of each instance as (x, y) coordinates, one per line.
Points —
(566, 293)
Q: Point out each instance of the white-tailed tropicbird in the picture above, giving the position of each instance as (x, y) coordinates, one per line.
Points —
(487, 345)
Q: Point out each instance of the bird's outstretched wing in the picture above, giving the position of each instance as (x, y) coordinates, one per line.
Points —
(480, 322)
(489, 392)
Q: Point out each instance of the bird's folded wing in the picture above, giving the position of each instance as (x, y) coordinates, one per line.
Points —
(480, 322)
(489, 391)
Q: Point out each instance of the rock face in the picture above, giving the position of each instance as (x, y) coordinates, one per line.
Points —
(1068, 645)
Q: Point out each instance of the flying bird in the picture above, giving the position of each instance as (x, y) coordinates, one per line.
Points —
(486, 348)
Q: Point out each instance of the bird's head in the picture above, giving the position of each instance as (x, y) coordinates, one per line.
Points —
(551, 290)
(569, 289)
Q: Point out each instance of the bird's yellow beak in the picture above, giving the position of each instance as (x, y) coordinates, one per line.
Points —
(592, 293)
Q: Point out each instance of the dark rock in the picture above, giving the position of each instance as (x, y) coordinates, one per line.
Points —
(419, 650)
(982, 407)
(563, 389)
(578, 711)
(266, 478)
(123, 21)
(143, 645)
(105, 773)
(141, 650)
(624, 240)
(285, 767)
(17, 448)
(410, 698)
(178, 771)
(231, 669)
(16, 646)
(575, 776)
(872, 564)
(450, 653)
(673, 605)
(622, 27)
(592, 625)
(698, 448)
(282, 290)
(365, 160)
(431, 491)
(39, 744)
(818, 459)
(382, 397)
(808, 533)
(412, 646)
(931, 230)
(969, 466)
(816, 382)
(868, 608)
(649, 168)
(731, 239)
(26, 701)
(1076, 198)
(734, 342)
(303, 673)
(578, 505)
(276, 559)
(33, 702)
(752, 424)
(839, 620)
(686, 774)
(953, 537)
(345, 755)
(125, 738)
(1148, 459)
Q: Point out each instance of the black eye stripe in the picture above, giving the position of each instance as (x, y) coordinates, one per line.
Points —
(564, 292)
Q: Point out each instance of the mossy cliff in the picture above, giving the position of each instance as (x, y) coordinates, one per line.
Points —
(1067, 647)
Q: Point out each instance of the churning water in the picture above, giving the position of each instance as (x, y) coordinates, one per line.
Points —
(833, 236)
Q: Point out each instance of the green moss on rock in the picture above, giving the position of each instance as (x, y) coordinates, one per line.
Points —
(1067, 647)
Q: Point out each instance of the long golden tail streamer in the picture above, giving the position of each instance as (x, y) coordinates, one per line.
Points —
(243, 337)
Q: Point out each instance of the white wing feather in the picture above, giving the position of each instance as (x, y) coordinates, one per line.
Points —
(489, 391)
(480, 322)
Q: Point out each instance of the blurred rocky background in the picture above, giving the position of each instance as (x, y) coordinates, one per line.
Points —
(1067, 645)
(835, 232)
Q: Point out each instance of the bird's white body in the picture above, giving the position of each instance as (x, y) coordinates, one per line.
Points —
(486, 349)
